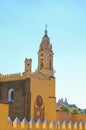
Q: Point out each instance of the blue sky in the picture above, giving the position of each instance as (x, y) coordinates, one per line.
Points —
(22, 25)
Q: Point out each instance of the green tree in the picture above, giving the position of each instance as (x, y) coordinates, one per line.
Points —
(65, 108)
(69, 110)
(74, 111)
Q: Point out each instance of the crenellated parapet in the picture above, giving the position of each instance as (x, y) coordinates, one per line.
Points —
(39, 125)
(9, 77)
(12, 75)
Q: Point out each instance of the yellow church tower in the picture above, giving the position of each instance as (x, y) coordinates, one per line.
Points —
(45, 56)
(43, 100)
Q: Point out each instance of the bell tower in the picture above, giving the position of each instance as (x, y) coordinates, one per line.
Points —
(45, 55)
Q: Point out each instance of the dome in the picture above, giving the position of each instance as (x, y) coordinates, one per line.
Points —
(45, 43)
(45, 39)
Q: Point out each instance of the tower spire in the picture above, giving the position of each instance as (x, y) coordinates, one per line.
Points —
(45, 30)
(45, 55)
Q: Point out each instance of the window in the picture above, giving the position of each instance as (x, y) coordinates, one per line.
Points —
(39, 101)
(41, 54)
(11, 95)
(50, 55)
(42, 65)
(50, 65)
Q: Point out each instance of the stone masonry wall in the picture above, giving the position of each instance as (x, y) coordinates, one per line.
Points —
(22, 97)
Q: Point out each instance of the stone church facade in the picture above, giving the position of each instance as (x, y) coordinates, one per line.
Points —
(32, 94)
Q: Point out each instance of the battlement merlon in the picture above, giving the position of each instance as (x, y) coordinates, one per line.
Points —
(1, 75)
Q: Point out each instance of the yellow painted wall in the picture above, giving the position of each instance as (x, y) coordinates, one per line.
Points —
(76, 117)
(5, 125)
(44, 87)
(3, 116)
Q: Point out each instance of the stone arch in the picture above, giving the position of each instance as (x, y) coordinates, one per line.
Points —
(11, 95)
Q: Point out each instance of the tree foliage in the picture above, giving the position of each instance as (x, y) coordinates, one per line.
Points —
(65, 108)
(69, 110)
(74, 111)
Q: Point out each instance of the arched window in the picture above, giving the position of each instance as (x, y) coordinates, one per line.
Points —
(50, 64)
(11, 95)
(42, 64)
(50, 55)
(42, 54)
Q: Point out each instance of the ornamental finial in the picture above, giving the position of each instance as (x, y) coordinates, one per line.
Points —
(46, 30)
